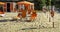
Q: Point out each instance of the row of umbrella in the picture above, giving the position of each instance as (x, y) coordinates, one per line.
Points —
(22, 2)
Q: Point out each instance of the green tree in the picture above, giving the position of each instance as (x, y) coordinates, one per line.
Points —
(43, 2)
(53, 2)
(47, 2)
(40, 3)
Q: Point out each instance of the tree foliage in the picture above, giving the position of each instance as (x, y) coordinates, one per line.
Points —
(41, 3)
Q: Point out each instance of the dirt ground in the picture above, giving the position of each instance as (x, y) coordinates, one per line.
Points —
(41, 24)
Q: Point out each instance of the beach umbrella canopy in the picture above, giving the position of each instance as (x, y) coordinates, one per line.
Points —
(25, 2)
(2, 3)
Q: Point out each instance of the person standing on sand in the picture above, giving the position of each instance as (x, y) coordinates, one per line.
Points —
(44, 9)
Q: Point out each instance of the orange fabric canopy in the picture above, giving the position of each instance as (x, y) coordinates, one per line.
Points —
(2, 3)
(25, 2)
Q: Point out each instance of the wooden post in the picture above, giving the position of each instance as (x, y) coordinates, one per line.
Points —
(53, 22)
(49, 19)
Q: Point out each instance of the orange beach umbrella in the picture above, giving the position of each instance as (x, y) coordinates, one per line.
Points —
(2, 3)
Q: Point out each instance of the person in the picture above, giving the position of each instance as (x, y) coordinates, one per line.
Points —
(18, 16)
(2, 13)
(44, 9)
(52, 14)
(52, 11)
(33, 15)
